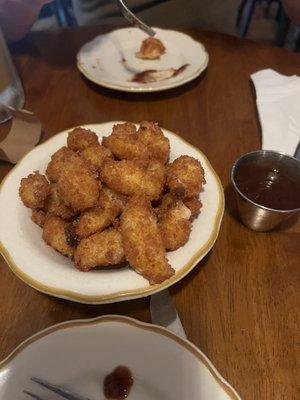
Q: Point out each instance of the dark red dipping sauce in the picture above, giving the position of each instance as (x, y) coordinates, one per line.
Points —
(117, 384)
(269, 186)
(143, 77)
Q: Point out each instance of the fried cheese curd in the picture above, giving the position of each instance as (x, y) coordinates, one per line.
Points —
(34, 190)
(109, 207)
(58, 161)
(185, 177)
(128, 143)
(194, 204)
(55, 205)
(151, 49)
(142, 242)
(157, 144)
(96, 156)
(38, 217)
(80, 138)
(78, 187)
(124, 142)
(130, 177)
(55, 234)
(100, 249)
(175, 225)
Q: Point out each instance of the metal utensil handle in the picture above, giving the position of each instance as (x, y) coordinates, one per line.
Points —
(135, 20)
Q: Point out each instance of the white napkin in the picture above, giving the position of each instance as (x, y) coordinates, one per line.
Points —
(278, 104)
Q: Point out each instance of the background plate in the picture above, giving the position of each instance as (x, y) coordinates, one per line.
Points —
(101, 59)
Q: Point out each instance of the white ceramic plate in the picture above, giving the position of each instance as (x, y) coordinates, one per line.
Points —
(46, 270)
(101, 59)
(79, 354)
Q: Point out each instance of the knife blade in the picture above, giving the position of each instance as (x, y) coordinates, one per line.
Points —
(164, 313)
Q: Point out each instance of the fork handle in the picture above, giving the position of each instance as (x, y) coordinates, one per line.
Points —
(134, 20)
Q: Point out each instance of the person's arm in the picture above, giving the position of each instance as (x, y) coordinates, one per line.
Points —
(292, 9)
(17, 17)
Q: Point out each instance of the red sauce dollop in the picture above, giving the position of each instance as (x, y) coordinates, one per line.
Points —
(117, 384)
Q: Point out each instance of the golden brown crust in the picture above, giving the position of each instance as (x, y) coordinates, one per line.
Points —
(194, 204)
(126, 128)
(152, 137)
(133, 178)
(168, 200)
(143, 245)
(124, 143)
(80, 138)
(54, 234)
(165, 203)
(38, 217)
(98, 250)
(60, 159)
(55, 205)
(110, 206)
(96, 156)
(78, 188)
(175, 226)
(151, 49)
(185, 177)
(34, 190)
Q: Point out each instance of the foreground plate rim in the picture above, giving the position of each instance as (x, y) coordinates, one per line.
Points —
(129, 294)
(143, 89)
(184, 343)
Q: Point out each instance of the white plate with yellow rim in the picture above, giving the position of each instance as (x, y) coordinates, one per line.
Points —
(78, 355)
(46, 270)
(102, 59)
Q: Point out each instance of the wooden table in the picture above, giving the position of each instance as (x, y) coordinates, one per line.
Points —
(239, 305)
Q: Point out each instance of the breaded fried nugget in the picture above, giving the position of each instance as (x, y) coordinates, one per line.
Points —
(55, 235)
(132, 178)
(165, 204)
(80, 138)
(194, 205)
(185, 177)
(142, 241)
(126, 128)
(58, 161)
(157, 144)
(175, 226)
(34, 190)
(96, 156)
(38, 217)
(101, 249)
(124, 142)
(78, 188)
(55, 205)
(156, 172)
(168, 200)
(151, 49)
(110, 205)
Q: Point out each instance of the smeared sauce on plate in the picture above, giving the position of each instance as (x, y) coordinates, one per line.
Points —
(269, 186)
(153, 75)
(118, 383)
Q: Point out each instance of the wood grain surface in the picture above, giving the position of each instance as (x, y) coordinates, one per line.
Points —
(240, 305)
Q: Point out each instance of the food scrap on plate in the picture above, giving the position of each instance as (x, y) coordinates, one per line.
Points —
(102, 204)
(151, 49)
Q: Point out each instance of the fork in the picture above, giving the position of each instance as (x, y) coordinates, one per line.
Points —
(66, 394)
(134, 20)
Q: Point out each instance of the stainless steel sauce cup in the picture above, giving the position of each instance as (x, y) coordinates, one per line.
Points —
(254, 215)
